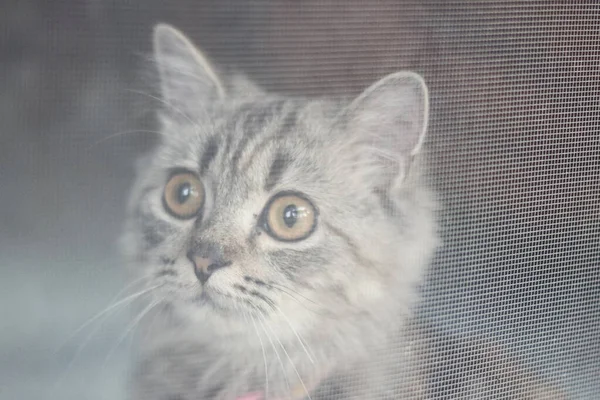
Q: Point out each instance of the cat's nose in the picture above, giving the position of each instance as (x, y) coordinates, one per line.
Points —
(206, 260)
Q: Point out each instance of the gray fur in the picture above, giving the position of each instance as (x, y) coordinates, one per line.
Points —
(327, 312)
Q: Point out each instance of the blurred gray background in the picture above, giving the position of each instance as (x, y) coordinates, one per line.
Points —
(514, 144)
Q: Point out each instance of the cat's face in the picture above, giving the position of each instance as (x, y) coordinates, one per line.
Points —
(256, 206)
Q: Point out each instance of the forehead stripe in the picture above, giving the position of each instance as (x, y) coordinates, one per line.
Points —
(280, 163)
(254, 123)
(289, 121)
(209, 154)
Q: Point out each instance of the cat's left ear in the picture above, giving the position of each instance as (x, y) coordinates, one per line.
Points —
(388, 122)
(188, 80)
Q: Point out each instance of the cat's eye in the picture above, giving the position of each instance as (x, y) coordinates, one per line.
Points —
(184, 195)
(290, 217)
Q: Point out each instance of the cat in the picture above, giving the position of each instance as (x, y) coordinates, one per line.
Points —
(283, 241)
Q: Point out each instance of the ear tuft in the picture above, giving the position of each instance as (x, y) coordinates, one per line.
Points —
(187, 78)
(388, 122)
(393, 111)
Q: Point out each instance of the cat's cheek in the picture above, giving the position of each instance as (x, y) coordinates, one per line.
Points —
(365, 292)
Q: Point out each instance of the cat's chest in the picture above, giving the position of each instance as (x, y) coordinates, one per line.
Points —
(210, 368)
(203, 370)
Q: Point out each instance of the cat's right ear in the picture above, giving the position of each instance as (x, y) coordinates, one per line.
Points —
(187, 79)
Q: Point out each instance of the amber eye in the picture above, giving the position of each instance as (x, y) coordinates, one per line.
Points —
(184, 195)
(290, 217)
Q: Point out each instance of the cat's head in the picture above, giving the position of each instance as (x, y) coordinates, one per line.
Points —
(301, 212)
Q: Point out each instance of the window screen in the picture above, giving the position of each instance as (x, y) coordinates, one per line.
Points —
(513, 147)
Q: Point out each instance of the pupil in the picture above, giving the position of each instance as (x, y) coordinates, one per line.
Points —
(290, 215)
(184, 192)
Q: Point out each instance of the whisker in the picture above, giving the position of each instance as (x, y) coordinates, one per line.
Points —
(130, 285)
(169, 105)
(103, 315)
(118, 304)
(319, 312)
(117, 134)
(206, 120)
(130, 328)
(282, 287)
(298, 301)
(264, 358)
(80, 348)
(149, 327)
(76, 356)
(287, 383)
(384, 154)
(297, 335)
(290, 360)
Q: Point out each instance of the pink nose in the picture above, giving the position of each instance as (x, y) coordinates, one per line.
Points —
(204, 266)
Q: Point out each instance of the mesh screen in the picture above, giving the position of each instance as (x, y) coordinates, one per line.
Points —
(513, 141)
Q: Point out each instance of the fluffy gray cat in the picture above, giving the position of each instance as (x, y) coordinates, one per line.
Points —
(284, 239)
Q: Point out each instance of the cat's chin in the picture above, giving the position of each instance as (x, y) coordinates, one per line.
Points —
(210, 302)
(213, 301)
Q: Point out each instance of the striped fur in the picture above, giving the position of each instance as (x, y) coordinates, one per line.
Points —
(327, 315)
